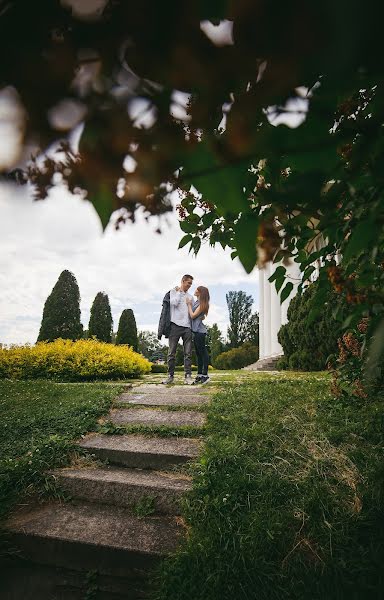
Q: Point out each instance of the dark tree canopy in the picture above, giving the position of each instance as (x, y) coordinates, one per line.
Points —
(149, 84)
(127, 331)
(215, 341)
(150, 347)
(61, 315)
(240, 313)
(252, 333)
(309, 347)
(100, 322)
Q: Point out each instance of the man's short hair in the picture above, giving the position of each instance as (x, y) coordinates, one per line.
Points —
(186, 277)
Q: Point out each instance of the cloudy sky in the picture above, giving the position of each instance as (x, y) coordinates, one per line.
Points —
(134, 266)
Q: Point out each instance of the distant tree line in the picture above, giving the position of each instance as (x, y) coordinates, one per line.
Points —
(61, 316)
(241, 347)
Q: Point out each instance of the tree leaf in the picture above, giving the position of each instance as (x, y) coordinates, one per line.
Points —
(286, 291)
(278, 273)
(220, 183)
(246, 230)
(195, 245)
(104, 203)
(188, 226)
(184, 240)
(364, 233)
(208, 219)
(279, 282)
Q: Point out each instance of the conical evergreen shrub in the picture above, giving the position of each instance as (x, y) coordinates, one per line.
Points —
(61, 314)
(100, 322)
(127, 332)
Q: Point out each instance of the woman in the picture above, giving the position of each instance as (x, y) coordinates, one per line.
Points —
(197, 311)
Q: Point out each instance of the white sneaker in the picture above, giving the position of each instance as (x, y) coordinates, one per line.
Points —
(188, 380)
(168, 380)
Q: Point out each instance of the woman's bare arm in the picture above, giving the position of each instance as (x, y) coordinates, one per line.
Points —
(193, 313)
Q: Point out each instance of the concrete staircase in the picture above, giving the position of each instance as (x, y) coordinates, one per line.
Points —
(263, 364)
(123, 516)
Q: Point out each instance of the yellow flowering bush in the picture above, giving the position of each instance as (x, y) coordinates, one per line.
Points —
(72, 361)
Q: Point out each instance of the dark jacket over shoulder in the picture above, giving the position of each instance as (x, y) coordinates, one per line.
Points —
(165, 317)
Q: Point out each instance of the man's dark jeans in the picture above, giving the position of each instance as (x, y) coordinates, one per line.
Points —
(175, 334)
(201, 353)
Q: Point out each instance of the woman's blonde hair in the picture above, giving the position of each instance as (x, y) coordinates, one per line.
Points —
(203, 299)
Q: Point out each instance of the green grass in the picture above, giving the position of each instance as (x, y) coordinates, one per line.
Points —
(40, 422)
(288, 498)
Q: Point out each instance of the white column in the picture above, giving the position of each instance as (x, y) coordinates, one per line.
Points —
(262, 284)
(267, 312)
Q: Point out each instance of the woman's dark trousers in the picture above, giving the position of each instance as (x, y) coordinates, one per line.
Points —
(201, 353)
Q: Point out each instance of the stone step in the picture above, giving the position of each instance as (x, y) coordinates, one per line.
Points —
(263, 364)
(93, 537)
(137, 416)
(156, 388)
(125, 487)
(136, 451)
(22, 579)
(162, 398)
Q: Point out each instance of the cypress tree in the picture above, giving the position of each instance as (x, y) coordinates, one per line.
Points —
(127, 331)
(61, 314)
(100, 322)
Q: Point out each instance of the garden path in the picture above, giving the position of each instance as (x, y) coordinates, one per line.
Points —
(123, 512)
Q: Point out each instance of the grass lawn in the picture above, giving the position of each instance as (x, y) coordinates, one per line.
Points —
(40, 421)
(288, 499)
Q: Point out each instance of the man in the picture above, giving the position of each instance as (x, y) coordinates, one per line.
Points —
(180, 327)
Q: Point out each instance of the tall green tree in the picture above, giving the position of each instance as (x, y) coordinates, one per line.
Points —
(240, 311)
(252, 332)
(100, 322)
(61, 314)
(127, 331)
(150, 347)
(215, 341)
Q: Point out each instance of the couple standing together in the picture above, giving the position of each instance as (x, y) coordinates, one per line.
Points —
(181, 317)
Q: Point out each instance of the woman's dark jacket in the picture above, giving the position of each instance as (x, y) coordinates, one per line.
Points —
(165, 317)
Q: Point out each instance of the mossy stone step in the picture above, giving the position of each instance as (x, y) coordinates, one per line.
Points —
(104, 538)
(125, 487)
(178, 390)
(25, 580)
(138, 416)
(137, 451)
(163, 398)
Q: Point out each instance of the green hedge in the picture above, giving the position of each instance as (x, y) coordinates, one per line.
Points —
(237, 358)
(65, 360)
(155, 368)
(307, 347)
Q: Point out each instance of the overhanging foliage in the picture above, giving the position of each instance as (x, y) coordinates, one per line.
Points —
(148, 83)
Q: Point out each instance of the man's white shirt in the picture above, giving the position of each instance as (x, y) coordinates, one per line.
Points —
(179, 308)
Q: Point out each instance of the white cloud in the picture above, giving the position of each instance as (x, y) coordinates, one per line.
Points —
(134, 266)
